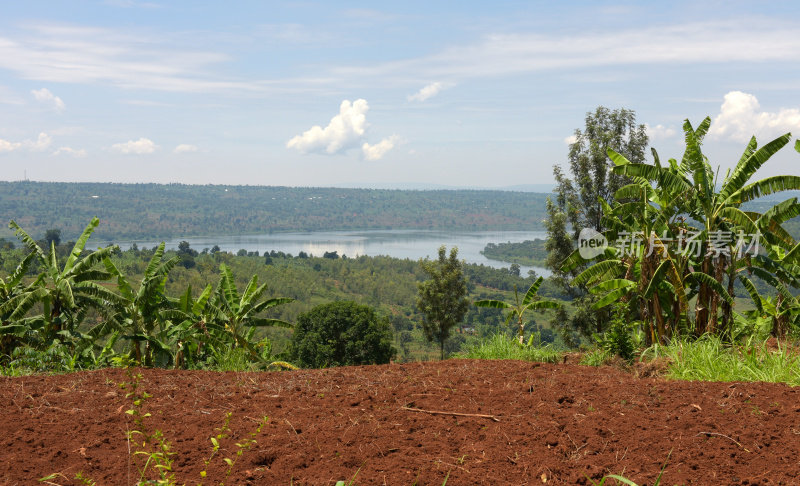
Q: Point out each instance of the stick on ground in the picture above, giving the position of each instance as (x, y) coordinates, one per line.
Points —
(434, 412)
(717, 434)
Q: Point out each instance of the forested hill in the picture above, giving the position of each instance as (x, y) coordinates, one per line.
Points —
(174, 210)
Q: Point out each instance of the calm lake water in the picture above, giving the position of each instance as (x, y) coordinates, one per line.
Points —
(412, 244)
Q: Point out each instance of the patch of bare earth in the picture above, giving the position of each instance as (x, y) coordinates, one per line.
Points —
(541, 424)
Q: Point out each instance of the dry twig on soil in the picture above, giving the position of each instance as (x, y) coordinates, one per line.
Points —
(725, 436)
(434, 412)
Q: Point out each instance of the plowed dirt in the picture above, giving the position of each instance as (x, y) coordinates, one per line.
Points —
(540, 424)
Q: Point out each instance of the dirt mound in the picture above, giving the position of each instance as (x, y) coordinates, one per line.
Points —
(522, 423)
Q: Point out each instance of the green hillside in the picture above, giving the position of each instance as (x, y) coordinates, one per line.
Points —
(171, 210)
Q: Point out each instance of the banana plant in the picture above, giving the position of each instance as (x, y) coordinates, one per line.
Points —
(233, 312)
(715, 211)
(646, 270)
(138, 313)
(517, 308)
(191, 331)
(10, 288)
(779, 311)
(66, 292)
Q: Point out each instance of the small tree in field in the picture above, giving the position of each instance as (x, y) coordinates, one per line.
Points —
(340, 334)
(443, 298)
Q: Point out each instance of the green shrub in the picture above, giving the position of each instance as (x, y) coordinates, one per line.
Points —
(340, 334)
(618, 340)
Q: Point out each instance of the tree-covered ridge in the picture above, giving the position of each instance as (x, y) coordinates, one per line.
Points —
(528, 252)
(158, 211)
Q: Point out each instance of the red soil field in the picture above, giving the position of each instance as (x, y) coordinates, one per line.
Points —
(540, 424)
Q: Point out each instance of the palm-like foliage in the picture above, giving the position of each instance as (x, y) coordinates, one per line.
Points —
(518, 308)
(138, 313)
(160, 330)
(190, 333)
(668, 204)
(10, 289)
(66, 293)
(234, 312)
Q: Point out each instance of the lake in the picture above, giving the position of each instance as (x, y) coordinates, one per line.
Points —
(411, 244)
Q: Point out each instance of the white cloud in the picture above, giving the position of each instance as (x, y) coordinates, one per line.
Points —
(78, 153)
(41, 143)
(184, 147)
(426, 92)
(740, 118)
(138, 147)
(717, 41)
(659, 132)
(377, 151)
(344, 131)
(6, 146)
(67, 53)
(571, 139)
(45, 96)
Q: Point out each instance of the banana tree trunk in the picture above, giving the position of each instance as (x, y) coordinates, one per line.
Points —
(645, 304)
(727, 309)
(778, 320)
(661, 330)
(702, 304)
(713, 327)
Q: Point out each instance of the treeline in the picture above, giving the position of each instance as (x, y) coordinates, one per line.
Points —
(528, 252)
(161, 211)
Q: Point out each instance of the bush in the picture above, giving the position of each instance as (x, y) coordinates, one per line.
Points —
(619, 340)
(339, 334)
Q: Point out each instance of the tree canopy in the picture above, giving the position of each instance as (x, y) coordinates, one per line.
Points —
(341, 333)
(442, 298)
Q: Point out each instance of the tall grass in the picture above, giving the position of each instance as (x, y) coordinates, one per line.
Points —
(708, 359)
(501, 346)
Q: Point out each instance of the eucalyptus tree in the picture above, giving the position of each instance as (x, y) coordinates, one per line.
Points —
(518, 308)
(580, 195)
(442, 299)
(592, 179)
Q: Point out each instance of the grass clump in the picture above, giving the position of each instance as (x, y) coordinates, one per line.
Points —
(709, 359)
(596, 357)
(501, 346)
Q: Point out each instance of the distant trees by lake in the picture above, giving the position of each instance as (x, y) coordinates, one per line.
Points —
(160, 211)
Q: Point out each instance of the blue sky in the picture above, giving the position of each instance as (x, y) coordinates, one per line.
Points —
(472, 94)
